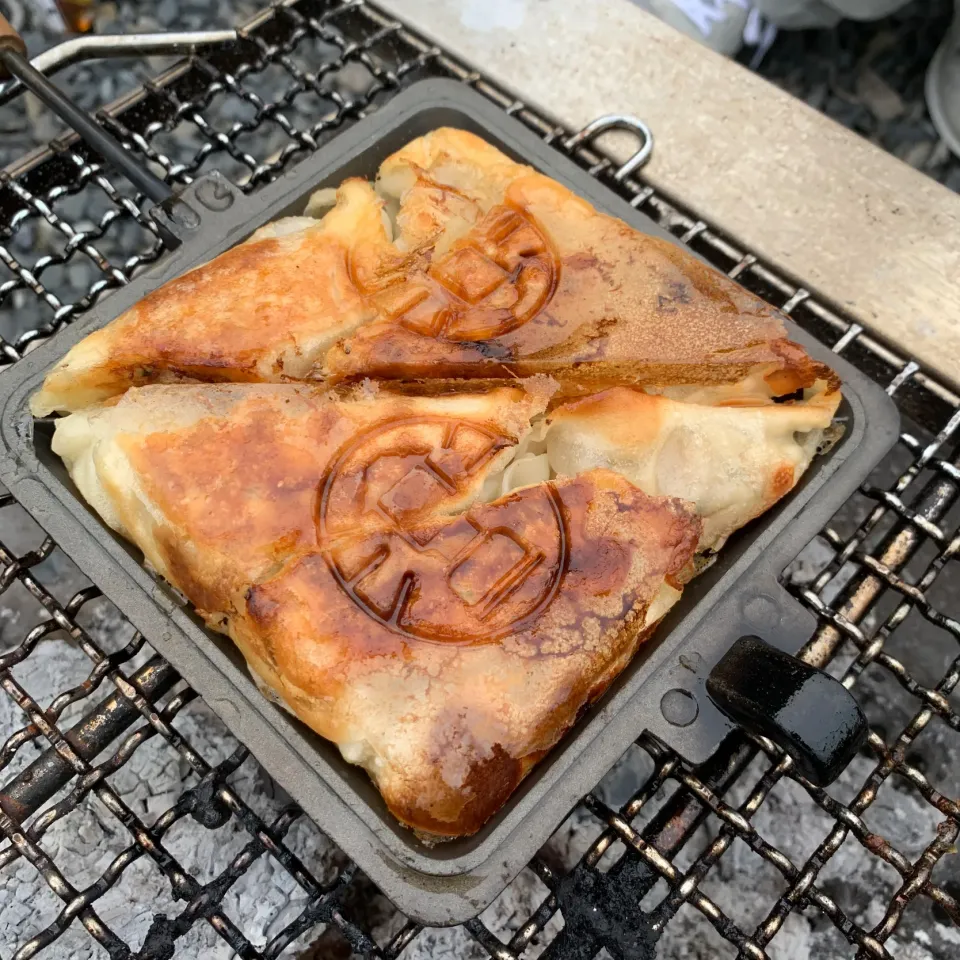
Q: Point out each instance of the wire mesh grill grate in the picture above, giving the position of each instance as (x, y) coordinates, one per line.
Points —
(108, 784)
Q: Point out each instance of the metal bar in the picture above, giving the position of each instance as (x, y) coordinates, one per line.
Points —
(135, 46)
(859, 596)
(73, 116)
(36, 784)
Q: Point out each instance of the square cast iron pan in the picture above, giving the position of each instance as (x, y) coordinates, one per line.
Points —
(452, 881)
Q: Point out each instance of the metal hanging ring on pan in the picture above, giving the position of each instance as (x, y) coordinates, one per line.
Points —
(618, 121)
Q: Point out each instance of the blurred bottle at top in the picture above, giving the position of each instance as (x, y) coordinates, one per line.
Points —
(78, 14)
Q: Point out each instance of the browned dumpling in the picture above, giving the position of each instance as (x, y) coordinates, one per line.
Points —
(234, 470)
(504, 271)
(442, 642)
(266, 310)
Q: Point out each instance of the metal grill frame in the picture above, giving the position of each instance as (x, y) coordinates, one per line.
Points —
(917, 503)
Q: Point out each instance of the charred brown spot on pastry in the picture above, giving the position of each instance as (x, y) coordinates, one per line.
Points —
(488, 785)
(674, 295)
(209, 598)
(463, 811)
(797, 370)
(782, 481)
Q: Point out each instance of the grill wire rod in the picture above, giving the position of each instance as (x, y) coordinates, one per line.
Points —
(14, 62)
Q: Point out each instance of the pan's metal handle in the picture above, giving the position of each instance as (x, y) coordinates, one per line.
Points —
(93, 47)
(14, 63)
(805, 711)
(618, 121)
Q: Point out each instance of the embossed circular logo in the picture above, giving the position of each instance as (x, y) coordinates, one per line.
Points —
(494, 281)
(469, 578)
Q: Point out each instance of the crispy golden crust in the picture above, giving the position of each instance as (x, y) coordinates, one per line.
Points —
(542, 282)
(455, 664)
(265, 310)
(219, 484)
(445, 649)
